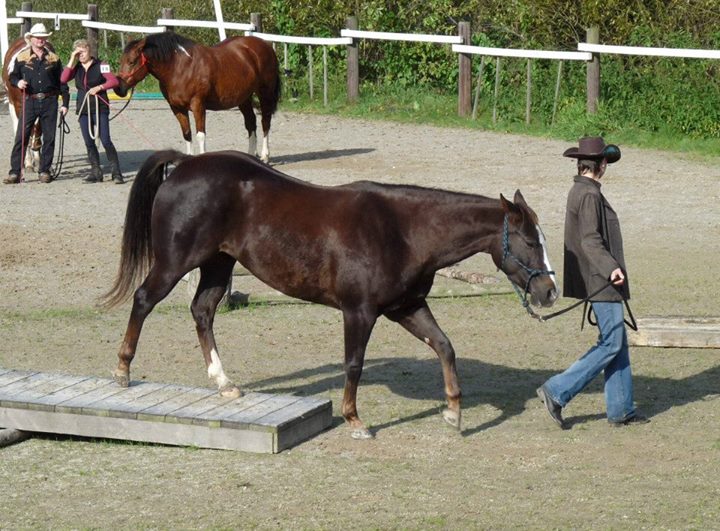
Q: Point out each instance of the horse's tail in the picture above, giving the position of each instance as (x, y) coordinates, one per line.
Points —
(136, 252)
(278, 91)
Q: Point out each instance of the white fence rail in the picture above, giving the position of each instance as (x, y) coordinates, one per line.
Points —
(690, 53)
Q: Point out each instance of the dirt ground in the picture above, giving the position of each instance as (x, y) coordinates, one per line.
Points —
(509, 467)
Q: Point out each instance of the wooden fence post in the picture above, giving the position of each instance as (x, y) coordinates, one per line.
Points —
(528, 93)
(256, 20)
(168, 12)
(497, 89)
(593, 72)
(464, 73)
(353, 63)
(27, 22)
(92, 33)
(478, 87)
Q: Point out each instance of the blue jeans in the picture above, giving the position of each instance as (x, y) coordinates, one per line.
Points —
(104, 129)
(610, 355)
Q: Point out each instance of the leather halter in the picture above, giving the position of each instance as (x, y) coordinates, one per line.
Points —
(532, 272)
(126, 77)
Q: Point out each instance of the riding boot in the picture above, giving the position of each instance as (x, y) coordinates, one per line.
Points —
(96, 175)
(112, 156)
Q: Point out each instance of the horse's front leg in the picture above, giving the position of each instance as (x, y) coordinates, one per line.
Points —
(214, 277)
(155, 288)
(420, 322)
(183, 119)
(198, 110)
(358, 326)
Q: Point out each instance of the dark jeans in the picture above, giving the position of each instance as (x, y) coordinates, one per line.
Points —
(104, 133)
(47, 110)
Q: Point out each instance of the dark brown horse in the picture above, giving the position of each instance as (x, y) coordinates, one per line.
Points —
(365, 248)
(15, 102)
(195, 78)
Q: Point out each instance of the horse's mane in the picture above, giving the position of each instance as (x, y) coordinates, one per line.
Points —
(160, 47)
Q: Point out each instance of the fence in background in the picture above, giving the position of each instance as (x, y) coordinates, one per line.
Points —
(350, 36)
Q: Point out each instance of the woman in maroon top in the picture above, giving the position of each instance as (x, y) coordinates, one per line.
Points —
(93, 79)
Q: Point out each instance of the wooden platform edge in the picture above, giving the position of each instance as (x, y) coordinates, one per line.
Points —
(676, 332)
(139, 431)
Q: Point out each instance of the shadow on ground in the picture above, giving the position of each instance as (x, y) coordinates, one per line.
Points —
(507, 389)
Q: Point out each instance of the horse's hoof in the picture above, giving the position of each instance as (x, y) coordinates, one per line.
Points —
(452, 418)
(122, 378)
(361, 434)
(231, 392)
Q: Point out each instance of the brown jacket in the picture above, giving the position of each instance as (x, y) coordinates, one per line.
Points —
(593, 244)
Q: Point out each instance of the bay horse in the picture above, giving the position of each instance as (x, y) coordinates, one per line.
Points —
(366, 249)
(15, 102)
(196, 78)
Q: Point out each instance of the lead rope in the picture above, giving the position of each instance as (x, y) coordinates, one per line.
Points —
(536, 272)
(64, 129)
(93, 129)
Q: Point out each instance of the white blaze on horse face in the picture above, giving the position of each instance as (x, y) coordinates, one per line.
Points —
(201, 142)
(252, 147)
(546, 259)
(215, 370)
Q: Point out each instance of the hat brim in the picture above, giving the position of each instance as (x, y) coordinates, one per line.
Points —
(29, 35)
(610, 152)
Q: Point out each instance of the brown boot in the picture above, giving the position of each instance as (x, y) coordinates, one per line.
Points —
(12, 178)
(45, 177)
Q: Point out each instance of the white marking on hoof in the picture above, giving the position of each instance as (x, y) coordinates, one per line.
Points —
(188, 147)
(215, 371)
(452, 418)
(201, 142)
(265, 156)
(361, 434)
(252, 144)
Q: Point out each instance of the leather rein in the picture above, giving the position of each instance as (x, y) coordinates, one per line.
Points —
(537, 272)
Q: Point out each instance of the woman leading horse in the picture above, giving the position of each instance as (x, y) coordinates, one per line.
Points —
(365, 248)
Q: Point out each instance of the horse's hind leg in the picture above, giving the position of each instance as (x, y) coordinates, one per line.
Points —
(214, 276)
(358, 327)
(420, 322)
(155, 288)
(250, 124)
(266, 109)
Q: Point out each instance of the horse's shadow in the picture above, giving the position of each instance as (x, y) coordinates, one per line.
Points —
(507, 389)
(318, 155)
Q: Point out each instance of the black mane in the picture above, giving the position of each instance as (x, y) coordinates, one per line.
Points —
(160, 47)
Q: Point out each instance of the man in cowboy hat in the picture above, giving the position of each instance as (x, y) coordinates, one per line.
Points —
(37, 72)
(594, 259)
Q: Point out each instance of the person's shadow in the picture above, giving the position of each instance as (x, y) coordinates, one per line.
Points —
(507, 389)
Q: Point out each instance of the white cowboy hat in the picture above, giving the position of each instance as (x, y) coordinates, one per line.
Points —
(38, 30)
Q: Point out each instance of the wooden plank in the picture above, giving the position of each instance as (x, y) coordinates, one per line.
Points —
(14, 393)
(76, 404)
(136, 430)
(160, 413)
(30, 396)
(677, 332)
(258, 411)
(49, 401)
(186, 397)
(13, 376)
(118, 402)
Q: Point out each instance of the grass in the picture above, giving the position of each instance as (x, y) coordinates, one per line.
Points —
(423, 106)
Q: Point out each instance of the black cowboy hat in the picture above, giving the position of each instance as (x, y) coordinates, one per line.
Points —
(594, 148)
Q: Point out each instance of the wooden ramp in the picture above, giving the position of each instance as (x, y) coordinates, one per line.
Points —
(678, 332)
(158, 413)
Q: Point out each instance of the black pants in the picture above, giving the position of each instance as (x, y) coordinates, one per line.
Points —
(45, 109)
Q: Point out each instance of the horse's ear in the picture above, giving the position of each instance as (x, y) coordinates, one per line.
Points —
(519, 199)
(508, 206)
